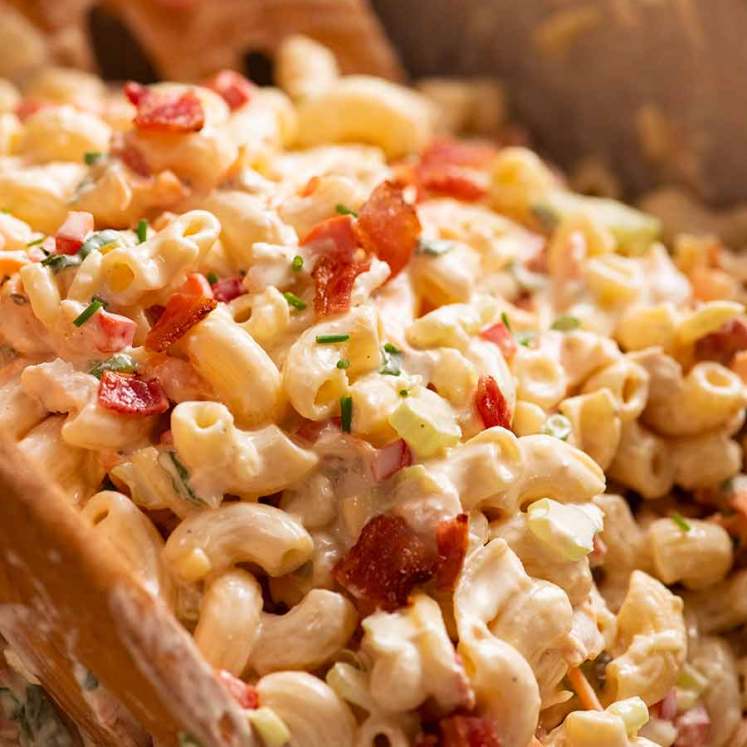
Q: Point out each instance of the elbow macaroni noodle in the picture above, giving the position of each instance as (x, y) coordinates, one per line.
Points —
(543, 401)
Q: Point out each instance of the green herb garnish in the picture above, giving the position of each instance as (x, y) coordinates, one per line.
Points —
(391, 360)
(525, 338)
(546, 217)
(566, 323)
(96, 241)
(179, 475)
(681, 522)
(142, 230)
(297, 263)
(558, 426)
(59, 262)
(119, 363)
(331, 339)
(89, 311)
(404, 392)
(434, 247)
(36, 241)
(343, 363)
(212, 278)
(294, 301)
(343, 210)
(346, 413)
(504, 319)
(92, 156)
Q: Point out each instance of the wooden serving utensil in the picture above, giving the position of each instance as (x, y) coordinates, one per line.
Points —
(68, 604)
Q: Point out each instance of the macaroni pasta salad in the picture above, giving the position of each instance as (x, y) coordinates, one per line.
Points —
(422, 447)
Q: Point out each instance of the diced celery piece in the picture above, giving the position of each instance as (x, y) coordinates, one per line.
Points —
(270, 727)
(633, 712)
(567, 527)
(426, 422)
(633, 230)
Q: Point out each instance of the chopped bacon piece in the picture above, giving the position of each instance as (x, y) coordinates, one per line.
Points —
(455, 168)
(385, 564)
(468, 731)
(451, 541)
(154, 313)
(243, 693)
(666, 708)
(388, 226)
(133, 158)
(491, 404)
(196, 284)
(391, 459)
(693, 728)
(182, 312)
(723, 344)
(502, 337)
(235, 89)
(131, 395)
(28, 107)
(72, 233)
(461, 730)
(165, 112)
(226, 289)
(113, 332)
(337, 267)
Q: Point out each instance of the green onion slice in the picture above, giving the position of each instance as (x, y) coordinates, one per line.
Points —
(89, 311)
(346, 413)
(331, 339)
(294, 301)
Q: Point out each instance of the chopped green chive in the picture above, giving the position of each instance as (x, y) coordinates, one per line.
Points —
(59, 262)
(558, 426)
(92, 156)
(343, 210)
(331, 339)
(346, 413)
(119, 363)
(525, 338)
(506, 322)
(294, 301)
(297, 263)
(434, 247)
(566, 323)
(391, 360)
(96, 241)
(343, 363)
(212, 278)
(142, 230)
(681, 522)
(546, 217)
(89, 311)
(404, 392)
(179, 475)
(36, 241)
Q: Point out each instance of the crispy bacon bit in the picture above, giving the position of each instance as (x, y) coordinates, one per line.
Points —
(455, 168)
(183, 310)
(154, 313)
(72, 233)
(132, 157)
(198, 285)
(226, 289)
(235, 89)
(502, 337)
(388, 226)
(666, 708)
(131, 395)
(451, 541)
(28, 107)
(337, 267)
(693, 728)
(385, 564)
(165, 112)
(491, 404)
(113, 332)
(461, 730)
(391, 459)
(243, 693)
(723, 344)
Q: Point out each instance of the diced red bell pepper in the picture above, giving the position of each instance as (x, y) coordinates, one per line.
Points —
(72, 233)
(502, 337)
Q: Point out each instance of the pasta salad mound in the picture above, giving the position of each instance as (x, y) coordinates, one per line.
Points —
(421, 446)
